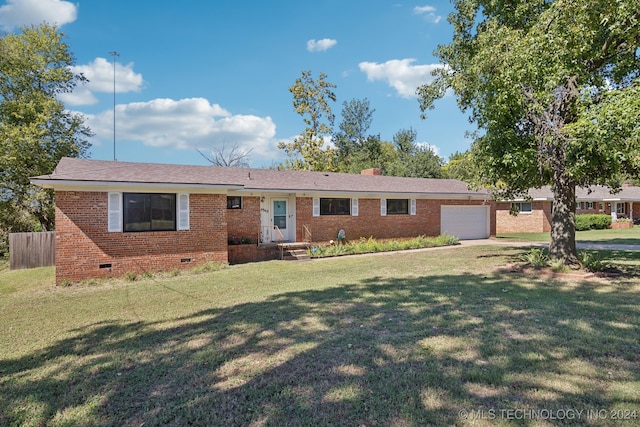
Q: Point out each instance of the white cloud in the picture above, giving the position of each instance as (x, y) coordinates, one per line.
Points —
(428, 146)
(17, 13)
(187, 124)
(314, 45)
(100, 76)
(429, 13)
(400, 74)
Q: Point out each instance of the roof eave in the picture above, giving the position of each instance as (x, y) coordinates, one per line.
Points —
(79, 185)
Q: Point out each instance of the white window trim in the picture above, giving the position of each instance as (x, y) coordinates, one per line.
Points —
(316, 206)
(114, 212)
(183, 211)
(520, 211)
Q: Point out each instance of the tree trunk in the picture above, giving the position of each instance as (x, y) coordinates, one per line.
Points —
(563, 222)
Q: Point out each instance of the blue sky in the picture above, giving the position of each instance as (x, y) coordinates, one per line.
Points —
(203, 74)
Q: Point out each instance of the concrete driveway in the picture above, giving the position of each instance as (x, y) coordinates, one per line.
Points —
(579, 245)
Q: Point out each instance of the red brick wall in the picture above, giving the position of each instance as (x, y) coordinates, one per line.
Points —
(538, 221)
(245, 222)
(369, 222)
(83, 242)
(240, 254)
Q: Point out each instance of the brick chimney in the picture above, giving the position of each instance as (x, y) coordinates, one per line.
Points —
(372, 171)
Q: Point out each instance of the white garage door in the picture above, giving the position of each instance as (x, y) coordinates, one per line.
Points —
(465, 222)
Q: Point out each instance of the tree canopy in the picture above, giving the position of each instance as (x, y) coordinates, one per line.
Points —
(35, 128)
(413, 160)
(311, 100)
(552, 86)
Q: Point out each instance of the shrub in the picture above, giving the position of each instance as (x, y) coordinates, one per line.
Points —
(536, 257)
(592, 261)
(371, 245)
(4, 243)
(558, 266)
(130, 276)
(592, 222)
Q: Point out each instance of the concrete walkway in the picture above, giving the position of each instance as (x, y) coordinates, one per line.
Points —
(579, 245)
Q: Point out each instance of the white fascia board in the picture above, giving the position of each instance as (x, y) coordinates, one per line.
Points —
(69, 185)
(378, 195)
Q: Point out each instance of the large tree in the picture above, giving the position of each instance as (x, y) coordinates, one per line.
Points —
(357, 116)
(541, 79)
(412, 159)
(234, 157)
(311, 99)
(35, 128)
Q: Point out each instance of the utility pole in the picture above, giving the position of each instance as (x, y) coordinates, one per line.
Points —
(114, 54)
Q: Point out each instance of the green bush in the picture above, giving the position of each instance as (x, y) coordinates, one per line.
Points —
(371, 245)
(536, 258)
(592, 261)
(592, 222)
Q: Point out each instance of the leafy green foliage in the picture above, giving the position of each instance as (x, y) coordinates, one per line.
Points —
(553, 88)
(413, 160)
(35, 128)
(592, 261)
(461, 166)
(536, 257)
(592, 222)
(311, 100)
(371, 245)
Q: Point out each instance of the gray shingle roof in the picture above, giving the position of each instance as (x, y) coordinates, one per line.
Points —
(88, 172)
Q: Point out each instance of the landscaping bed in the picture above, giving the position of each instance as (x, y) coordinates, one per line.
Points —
(371, 245)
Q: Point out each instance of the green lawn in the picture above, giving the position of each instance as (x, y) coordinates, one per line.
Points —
(625, 236)
(402, 339)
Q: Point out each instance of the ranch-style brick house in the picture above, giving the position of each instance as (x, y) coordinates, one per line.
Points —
(116, 217)
(535, 211)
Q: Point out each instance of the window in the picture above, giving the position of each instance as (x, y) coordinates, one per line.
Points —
(620, 208)
(234, 202)
(586, 205)
(521, 207)
(397, 206)
(335, 206)
(149, 212)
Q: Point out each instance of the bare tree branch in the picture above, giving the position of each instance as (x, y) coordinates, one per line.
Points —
(233, 158)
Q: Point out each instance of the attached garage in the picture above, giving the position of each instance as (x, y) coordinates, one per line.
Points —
(465, 222)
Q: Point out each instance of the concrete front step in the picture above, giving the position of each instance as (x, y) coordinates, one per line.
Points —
(296, 255)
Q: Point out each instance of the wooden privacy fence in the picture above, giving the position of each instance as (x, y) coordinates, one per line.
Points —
(31, 250)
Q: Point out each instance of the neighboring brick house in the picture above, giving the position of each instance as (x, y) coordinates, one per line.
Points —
(119, 217)
(535, 212)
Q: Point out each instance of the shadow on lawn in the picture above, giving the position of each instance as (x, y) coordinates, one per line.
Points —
(406, 352)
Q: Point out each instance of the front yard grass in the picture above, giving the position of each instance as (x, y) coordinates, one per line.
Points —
(438, 337)
(622, 236)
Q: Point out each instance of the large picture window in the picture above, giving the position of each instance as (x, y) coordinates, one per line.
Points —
(335, 206)
(397, 206)
(149, 212)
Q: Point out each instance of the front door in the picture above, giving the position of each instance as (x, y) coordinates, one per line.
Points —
(280, 220)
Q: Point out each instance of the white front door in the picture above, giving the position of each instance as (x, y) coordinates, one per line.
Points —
(279, 216)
